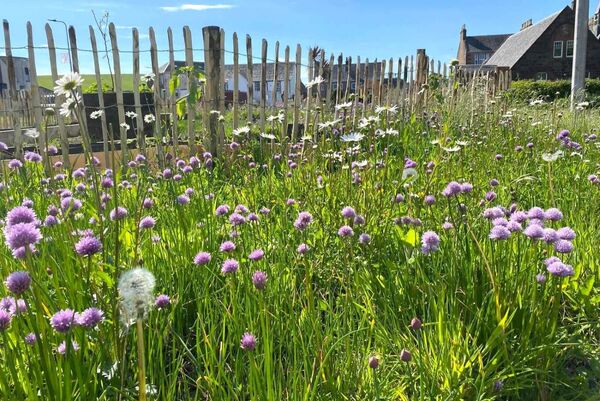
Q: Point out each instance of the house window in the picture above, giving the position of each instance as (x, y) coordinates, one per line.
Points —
(278, 89)
(353, 85)
(558, 49)
(569, 50)
(541, 76)
(26, 71)
(257, 86)
(480, 58)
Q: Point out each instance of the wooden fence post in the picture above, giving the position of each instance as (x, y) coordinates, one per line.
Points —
(236, 81)
(212, 42)
(35, 96)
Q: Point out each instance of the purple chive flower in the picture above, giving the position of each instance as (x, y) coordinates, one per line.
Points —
(499, 156)
(248, 342)
(15, 164)
(430, 242)
(553, 214)
(563, 246)
(550, 235)
(373, 362)
(202, 258)
(364, 238)
(452, 189)
(518, 216)
(494, 182)
(399, 198)
(348, 212)
(534, 231)
(107, 183)
(499, 233)
(147, 222)
(90, 318)
(498, 385)
(405, 355)
(50, 221)
(264, 210)
(536, 213)
(566, 233)
(490, 196)
(230, 266)
(493, 213)
(303, 220)
(466, 188)
(290, 202)
(222, 210)
(18, 282)
(345, 231)
(563, 134)
(256, 255)
(408, 163)
(252, 217)
(162, 301)
(540, 278)
(259, 279)
(359, 220)
(183, 199)
(30, 339)
(227, 246)
(242, 209)
(147, 203)
(514, 226)
(70, 204)
(5, 320)
(237, 219)
(118, 213)
(416, 323)
(447, 225)
(88, 246)
(560, 269)
(22, 235)
(302, 249)
(62, 347)
(20, 214)
(3, 147)
(429, 200)
(63, 320)
(500, 221)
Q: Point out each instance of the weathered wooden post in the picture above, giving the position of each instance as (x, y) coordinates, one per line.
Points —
(212, 42)
(582, 8)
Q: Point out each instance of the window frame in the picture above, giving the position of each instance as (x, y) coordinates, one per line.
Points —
(257, 86)
(541, 76)
(572, 43)
(554, 48)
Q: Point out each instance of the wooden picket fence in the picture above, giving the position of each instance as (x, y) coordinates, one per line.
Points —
(402, 82)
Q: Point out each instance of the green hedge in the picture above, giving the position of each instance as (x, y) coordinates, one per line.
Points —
(549, 90)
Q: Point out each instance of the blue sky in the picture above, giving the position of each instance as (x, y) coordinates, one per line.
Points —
(373, 29)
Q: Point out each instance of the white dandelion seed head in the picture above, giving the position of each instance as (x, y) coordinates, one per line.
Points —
(136, 288)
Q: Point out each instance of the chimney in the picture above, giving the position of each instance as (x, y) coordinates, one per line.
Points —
(463, 32)
(526, 24)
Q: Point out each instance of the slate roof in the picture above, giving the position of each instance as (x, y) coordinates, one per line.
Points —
(485, 43)
(517, 45)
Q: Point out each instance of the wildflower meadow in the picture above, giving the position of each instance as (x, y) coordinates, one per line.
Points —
(449, 253)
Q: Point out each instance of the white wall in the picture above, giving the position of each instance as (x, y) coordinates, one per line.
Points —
(23, 80)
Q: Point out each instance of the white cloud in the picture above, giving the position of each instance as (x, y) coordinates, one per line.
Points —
(196, 7)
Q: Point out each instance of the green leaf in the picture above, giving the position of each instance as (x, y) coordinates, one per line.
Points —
(410, 237)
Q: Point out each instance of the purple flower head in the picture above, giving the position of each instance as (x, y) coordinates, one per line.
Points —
(162, 301)
(566, 233)
(302, 249)
(500, 221)
(534, 231)
(183, 199)
(256, 255)
(430, 242)
(107, 183)
(490, 196)
(405, 355)
(227, 246)
(118, 213)
(259, 279)
(20, 214)
(466, 188)
(550, 235)
(236, 219)
(88, 246)
(563, 134)
(452, 189)
(22, 235)
(399, 198)
(345, 231)
(62, 347)
(303, 220)
(18, 282)
(30, 339)
(550, 260)
(50, 221)
(147, 203)
(348, 212)
(221, 210)
(230, 266)
(264, 210)
(147, 222)
(3, 147)
(518, 216)
(514, 226)
(499, 156)
(447, 225)
(493, 213)
(202, 258)
(540, 278)
(90, 318)
(563, 246)
(63, 320)
(553, 214)
(290, 202)
(15, 164)
(252, 217)
(248, 342)
(242, 209)
(5, 320)
(429, 200)
(494, 182)
(536, 213)
(416, 323)
(70, 204)
(408, 163)
(373, 362)
(364, 238)
(499, 233)
(560, 269)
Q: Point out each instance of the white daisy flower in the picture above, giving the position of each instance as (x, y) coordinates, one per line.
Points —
(149, 118)
(241, 130)
(125, 126)
(267, 136)
(68, 83)
(317, 81)
(67, 109)
(343, 106)
(352, 137)
(32, 133)
(94, 115)
(131, 114)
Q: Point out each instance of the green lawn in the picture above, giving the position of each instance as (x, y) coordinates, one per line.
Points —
(47, 82)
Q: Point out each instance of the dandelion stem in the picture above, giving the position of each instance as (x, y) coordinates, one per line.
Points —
(141, 365)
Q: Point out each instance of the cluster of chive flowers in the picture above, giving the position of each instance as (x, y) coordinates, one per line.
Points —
(21, 232)
(17, 283)
(353, 220)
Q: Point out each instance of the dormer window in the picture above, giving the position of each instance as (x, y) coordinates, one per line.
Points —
(558, 49)
(569, 50)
